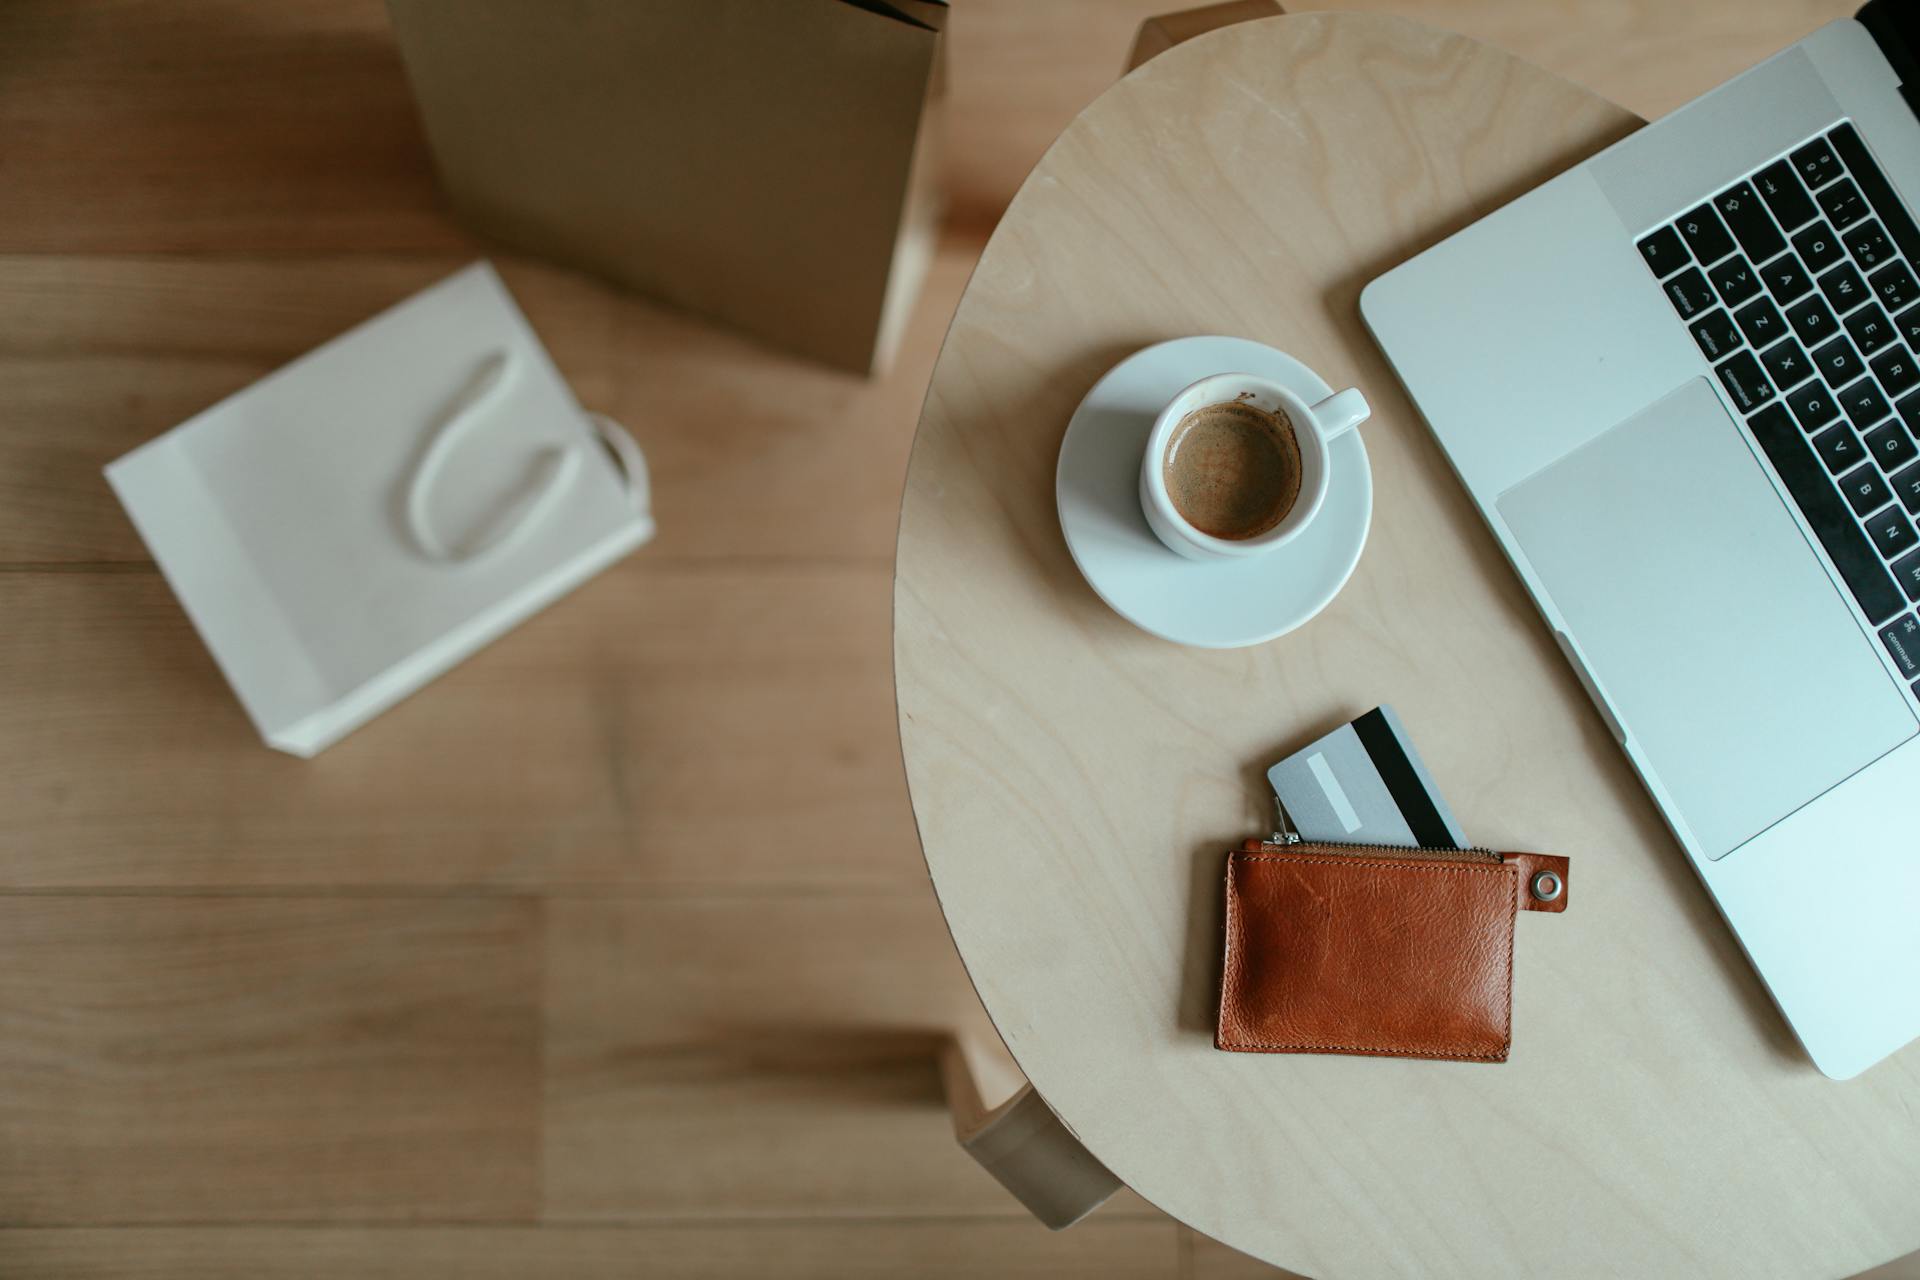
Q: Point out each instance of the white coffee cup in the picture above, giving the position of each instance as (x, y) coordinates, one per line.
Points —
(1315, 428)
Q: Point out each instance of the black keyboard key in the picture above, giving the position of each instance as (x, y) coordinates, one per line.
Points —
(1734, 281)
(1760, 321)
(1818, 247)
(1902, 638)
(1839, 448)
(1706, 234)
(1786, 363)
(1827, 515)
(1815, 163)
(1892, 533)
(1909, 410)
(1864, 404)
(1866, 491)
(1689, 293)
(1750, 222)
(1891, 446)
(1870, 329)
(1895, 286)
(1896, 371)
(1813, 405)
(1879, 193)
(1844, 288)
(1907, 323)
(1716, 335)
(1837, 363)
(1842, 204)
(1869, 246)
(1785, 280)
(1906, 487)
(1907, 573)
(1664, 252)
(1743, 380)
(1812, 320)
(1783, 193)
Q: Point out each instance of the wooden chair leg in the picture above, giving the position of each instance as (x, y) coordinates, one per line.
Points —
(1021, 1142)
(1157, 35)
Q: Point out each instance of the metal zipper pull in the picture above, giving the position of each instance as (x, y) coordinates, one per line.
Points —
(1283, 832)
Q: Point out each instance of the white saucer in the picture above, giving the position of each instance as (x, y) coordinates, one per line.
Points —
(1215, 604)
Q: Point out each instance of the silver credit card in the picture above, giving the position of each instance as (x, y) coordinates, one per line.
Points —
(1365, 783)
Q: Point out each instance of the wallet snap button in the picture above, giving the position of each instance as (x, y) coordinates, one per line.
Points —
(1546, 886)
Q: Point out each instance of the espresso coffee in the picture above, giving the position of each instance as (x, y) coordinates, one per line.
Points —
(1233, 470)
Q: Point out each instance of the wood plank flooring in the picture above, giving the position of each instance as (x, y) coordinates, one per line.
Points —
(823, 1249)
(611, 952)
(242, 1059)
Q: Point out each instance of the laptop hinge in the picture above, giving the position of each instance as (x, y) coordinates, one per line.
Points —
(1895, 27)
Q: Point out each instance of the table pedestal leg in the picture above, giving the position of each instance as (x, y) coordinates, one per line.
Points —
(1157, 35)
(1021, 1142)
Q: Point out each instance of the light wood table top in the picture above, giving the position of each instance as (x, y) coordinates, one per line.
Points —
(1077, 781)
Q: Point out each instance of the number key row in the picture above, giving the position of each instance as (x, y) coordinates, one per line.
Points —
(1869, 246)
(1895, 285)
(1843, 204)
(1816, 164)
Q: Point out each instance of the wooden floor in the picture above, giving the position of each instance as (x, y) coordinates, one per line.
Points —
(612, 952)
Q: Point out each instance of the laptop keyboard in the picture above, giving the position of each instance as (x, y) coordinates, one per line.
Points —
(1798, 284)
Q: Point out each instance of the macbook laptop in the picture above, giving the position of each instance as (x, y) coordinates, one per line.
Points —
(1682, 383)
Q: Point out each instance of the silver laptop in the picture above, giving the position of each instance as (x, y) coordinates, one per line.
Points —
(1682, 383)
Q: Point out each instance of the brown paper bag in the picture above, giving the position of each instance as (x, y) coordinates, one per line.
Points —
(766, 163)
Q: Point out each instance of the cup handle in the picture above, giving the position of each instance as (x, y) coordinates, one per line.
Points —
(1340, 413)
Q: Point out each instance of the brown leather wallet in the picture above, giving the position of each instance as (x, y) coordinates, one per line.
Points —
(1394, 951)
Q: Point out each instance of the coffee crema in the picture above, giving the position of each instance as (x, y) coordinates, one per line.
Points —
(1233, 470)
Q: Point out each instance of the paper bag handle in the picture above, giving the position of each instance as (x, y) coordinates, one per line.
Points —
(548, 476)
(627, 454)
(552, 469)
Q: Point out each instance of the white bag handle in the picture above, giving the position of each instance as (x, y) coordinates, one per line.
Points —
(627, 454)
(547, 478)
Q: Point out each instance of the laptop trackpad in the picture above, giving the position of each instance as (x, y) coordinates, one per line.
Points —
(1727, 654)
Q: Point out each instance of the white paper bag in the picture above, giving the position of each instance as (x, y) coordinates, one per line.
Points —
(355, 523)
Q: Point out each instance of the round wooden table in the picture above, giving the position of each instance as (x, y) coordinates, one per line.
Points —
(1077, 781)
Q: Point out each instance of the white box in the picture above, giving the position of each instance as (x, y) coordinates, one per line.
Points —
(354, 524)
